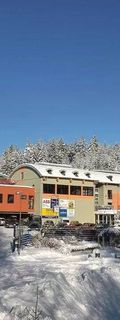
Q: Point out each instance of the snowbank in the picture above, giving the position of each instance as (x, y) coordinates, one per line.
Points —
(70, 287)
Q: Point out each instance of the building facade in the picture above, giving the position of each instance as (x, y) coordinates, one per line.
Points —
(60, 192)
(15, 199)
(64, 192)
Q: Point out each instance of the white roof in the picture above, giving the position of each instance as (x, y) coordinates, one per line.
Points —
(53, 170)
(14, 185)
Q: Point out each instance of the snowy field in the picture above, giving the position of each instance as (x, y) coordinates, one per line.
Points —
(70, 286)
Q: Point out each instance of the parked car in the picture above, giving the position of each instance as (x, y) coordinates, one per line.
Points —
(34, 225)
(11, 221)
(2, 221)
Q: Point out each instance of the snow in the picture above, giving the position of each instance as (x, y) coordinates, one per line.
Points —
(70, 286)
(110, 230)
(87, 155)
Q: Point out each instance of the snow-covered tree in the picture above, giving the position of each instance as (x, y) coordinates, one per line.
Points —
(35, 152)
(57, 151)
(87, 155)
(12, 157)
(80, 149)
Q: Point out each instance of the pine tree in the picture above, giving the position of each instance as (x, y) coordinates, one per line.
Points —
(12, 157)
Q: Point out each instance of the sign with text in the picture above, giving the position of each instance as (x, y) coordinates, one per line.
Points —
(46, 203)
(62, 213)
(70, 213)
(68, 204)
(48, 212)
(63, 203)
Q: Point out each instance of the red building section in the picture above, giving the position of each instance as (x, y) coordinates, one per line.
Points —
(15, 199)
(116, 200)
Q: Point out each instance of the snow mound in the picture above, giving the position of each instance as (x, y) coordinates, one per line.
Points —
(65, 245)
(110, 230)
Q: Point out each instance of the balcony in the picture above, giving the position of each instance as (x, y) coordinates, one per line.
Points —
(110, 207)
(105, 210)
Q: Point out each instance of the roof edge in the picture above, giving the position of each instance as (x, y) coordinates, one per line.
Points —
(26, 165)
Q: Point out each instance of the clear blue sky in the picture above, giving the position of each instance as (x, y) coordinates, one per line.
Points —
(59, 70)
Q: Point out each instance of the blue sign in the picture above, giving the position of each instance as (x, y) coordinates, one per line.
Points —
(63, 213)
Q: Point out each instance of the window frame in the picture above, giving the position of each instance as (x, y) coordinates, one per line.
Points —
(22, 175)
(62, 186)
(1, 197)
(74, 187)
(109, 194)
(10, 195)
(49, 185)
(30, 202)
(87, 191)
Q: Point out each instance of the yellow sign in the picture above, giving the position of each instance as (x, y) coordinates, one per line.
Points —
(46, 212)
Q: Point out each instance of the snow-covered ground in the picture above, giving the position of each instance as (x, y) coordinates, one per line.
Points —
(70, 286)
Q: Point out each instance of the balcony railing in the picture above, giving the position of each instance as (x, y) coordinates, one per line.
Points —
(104, 208)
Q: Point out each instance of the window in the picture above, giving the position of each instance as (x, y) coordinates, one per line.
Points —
(112, 219)
(22, 175)
(96, 218)
(10, 198)
(30, 202)
(96, 200)
(62, 189)
(110, 177)
(62, 172)
(87, 174)
(1, 197)
(108, 219)
(104, 219)
(48, 188)
(109, 194)
(49, 171)
(87, 191)
(75, 190)
(96, 190)
(76, 174)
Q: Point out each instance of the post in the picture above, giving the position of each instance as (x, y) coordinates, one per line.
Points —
(19, 238)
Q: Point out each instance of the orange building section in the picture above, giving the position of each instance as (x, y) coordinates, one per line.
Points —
(116, 200)
(15, 199)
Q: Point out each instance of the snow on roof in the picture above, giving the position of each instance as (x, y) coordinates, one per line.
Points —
(14, 186)
(45, 169)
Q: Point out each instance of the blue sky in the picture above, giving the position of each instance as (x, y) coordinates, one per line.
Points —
(59, 70)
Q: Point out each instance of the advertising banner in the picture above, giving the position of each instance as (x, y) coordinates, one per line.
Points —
(46, 212)
(71, 204)
(56, 209)
(68, 204)
(63, 203)
(70, 213)
(46, 203)
(54, 202)
(62, 213)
